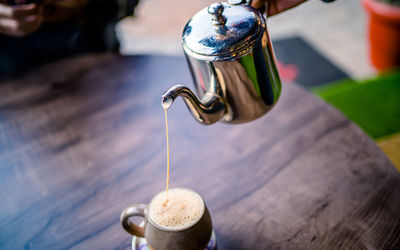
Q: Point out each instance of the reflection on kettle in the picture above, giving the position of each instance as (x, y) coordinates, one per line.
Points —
(232, 63)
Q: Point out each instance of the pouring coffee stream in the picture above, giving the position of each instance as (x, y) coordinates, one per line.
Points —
(167, 137)
(232, 64)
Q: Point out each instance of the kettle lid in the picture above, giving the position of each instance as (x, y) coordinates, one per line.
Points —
(222, 31)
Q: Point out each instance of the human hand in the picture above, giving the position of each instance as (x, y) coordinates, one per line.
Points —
(19, 20)
(275, 6)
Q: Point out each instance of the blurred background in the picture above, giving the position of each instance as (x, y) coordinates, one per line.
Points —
(337, 29)
(322, 46)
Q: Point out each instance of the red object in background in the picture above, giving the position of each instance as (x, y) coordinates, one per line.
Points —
(384, 34)
(288, 72)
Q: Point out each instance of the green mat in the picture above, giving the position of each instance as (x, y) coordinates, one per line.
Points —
(373, 104)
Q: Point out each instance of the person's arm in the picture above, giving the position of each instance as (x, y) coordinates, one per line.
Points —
(273, 7)
(20, 20)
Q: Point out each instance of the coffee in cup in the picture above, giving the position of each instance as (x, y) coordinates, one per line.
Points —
(180, 222)
(182, 209)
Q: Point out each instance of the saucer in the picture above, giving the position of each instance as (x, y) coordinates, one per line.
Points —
(139, 243)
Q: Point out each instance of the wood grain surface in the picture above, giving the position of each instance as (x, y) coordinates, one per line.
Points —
(83, 138)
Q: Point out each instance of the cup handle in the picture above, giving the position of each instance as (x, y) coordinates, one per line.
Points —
(131, 211)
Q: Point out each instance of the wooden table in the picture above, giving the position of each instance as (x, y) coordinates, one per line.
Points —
(82, 138)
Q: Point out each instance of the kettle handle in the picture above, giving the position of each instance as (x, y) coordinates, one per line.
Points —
(266, 5)
(262, 8)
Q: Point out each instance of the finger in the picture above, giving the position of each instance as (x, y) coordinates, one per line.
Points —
(22, 27)
(257, 4)
(8, 24)
(19, 11)
(29, 25)
(5, 10)
(25, 10)
(31, 22)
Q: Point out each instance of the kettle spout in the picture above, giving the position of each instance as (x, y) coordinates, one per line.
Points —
(210, 109)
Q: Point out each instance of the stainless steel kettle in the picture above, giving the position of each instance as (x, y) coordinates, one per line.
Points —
(232, 62)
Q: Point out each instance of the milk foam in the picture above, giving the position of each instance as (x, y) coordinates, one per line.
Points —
(183, 209)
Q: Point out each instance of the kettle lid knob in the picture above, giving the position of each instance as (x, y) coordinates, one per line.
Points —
(235, 2)
(223, 31)
(216, 10)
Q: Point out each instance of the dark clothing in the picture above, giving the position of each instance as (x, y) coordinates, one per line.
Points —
(93, 32)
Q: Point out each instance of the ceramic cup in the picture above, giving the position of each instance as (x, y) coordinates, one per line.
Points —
(194, 236)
